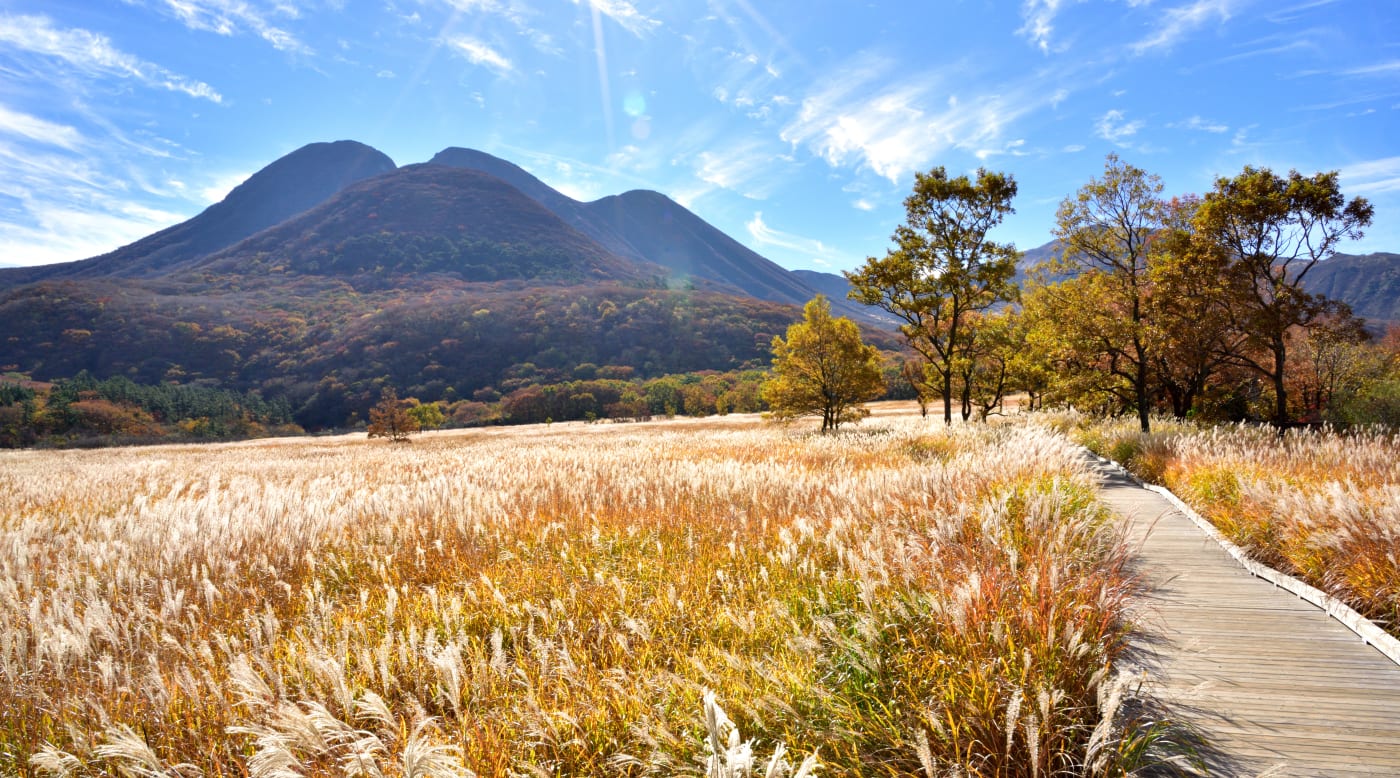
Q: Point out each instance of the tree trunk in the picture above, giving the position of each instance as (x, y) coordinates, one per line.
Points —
(1140, 376)
(1280, 349)
(948, 396)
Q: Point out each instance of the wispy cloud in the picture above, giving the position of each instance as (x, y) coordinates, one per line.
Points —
(1291, 13)
(35, 129)
(865, 117)
(812, 249)
(230, 17)
(625, 15)
(1114, 127)
(67, 206)
(93, 55)
(1373, 176)
(1203, 125)
(1378, 69)
(745, 167)
(1015, 148)
(479, 53)
(1039, 17)
(1176, 23)
(518, 14)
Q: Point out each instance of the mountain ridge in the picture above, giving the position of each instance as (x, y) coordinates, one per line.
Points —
(426, 218)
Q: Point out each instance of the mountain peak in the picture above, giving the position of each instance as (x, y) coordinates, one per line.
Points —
(426, 219)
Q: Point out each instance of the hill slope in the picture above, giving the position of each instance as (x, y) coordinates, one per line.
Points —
(1369, 283)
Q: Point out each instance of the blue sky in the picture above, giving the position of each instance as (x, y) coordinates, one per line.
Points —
(796, 127)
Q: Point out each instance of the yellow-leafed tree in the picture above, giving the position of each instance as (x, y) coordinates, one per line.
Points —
(822, 369)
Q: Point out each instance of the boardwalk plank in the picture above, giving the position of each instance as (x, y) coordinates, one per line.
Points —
(1269, 678)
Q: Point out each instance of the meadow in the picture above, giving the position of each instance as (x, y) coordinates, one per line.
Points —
(1322, 505)
(717, 598)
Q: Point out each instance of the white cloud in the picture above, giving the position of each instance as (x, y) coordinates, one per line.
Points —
(1015, 148)
(745, 167)
(36, 129)
(94, 55)
(479, 53)
(1373, 176)
(863, 205)
(812, 249)
(1204, 125)
(518, 14)
(1176, 23)
(859, 116)
(626, 15)
(1039, 18)
(61, 234)
(1112, 127)
(1073, 148)
(227, 17)
(68, 208)
(219, 187)
(1378, 69)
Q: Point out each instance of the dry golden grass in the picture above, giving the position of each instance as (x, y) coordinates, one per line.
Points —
(566, 600)
(1322, 505)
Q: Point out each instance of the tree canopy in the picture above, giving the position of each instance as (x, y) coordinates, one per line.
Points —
(943, 266)
(1105, 230)
(822, 369)
(390, 419)
(1275, 229)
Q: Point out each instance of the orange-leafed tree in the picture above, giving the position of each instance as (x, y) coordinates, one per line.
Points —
(389, 419)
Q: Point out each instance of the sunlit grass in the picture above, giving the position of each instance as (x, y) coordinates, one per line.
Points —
(1322, 505)
(571, 600)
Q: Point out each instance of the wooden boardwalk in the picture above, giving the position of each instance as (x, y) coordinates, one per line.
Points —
(1276, 686)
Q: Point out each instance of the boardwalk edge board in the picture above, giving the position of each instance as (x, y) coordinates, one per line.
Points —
(1364, 628)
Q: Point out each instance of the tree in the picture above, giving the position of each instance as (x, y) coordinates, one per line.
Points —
(390, 420)
(428, 416)
(943, 266)
(1105, 230)
(915, 372)
(822, 368)
(1189, 320)
(1275, 230)
(986, 370)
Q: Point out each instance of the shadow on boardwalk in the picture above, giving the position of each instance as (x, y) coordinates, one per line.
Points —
(1271, 683)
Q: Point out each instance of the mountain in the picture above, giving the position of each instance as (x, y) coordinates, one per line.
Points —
(1369, 283)
(566, 208)
(648, 226)
(426, 219)
(279, 191)
(668, 234)
(833, 285)
(332, 273)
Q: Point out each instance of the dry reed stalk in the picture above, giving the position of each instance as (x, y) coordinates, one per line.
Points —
(558, 601)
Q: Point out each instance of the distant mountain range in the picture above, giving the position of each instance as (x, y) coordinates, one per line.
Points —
(1369, 283)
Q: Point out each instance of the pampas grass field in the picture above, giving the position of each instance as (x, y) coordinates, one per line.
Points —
(1320, 504)
(724, 599)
